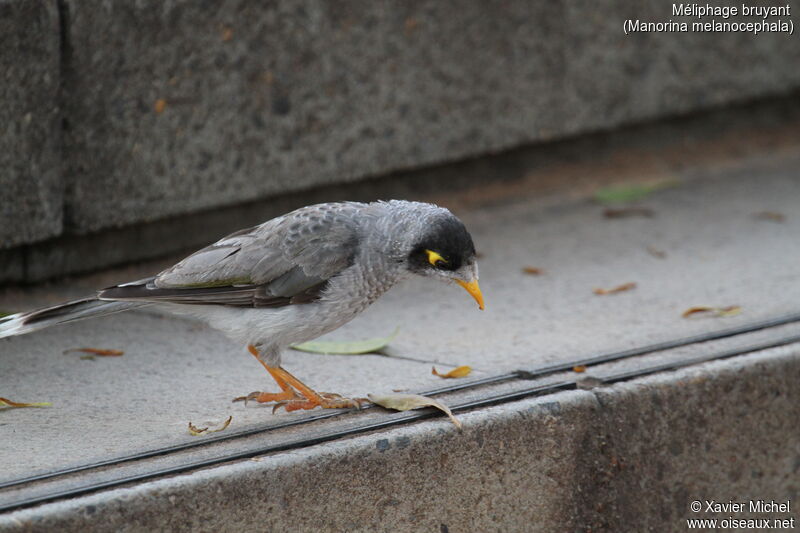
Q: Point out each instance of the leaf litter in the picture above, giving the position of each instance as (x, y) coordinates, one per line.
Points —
(458, 372)
(358, 347)
(623, 194)
(619, 288)
(771, 216)
(194, 431)
(655, 252)
(532, 271)
(95, 351)
(5, 403)
(405, 402)
(704, 310)
(628, 212)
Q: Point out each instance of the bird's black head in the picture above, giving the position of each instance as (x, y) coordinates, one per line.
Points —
(446, 246)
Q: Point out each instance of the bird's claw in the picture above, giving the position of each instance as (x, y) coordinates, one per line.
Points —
(291, 401)
(265, 397)
(327, 400)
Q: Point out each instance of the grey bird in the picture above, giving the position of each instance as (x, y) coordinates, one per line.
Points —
(292, 279)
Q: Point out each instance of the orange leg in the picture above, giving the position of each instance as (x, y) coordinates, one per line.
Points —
(296, 394)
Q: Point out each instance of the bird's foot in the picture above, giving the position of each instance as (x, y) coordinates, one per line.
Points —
(295, 394)
(326, 400)
(292, 401)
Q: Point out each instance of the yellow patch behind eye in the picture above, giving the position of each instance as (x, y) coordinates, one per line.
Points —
(434, 257)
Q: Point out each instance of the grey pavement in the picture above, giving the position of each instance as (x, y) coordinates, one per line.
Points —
(716, 250)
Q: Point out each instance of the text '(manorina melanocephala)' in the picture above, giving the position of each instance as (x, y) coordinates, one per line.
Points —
(292, 279)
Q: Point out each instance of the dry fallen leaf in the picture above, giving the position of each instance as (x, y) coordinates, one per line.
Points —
(160, 105)
(195, 431)
(6, 403)
(772, 216)
(579, 368)
(533, 271)
(588, 383)
(620, 288)
(96, 351)
(731, 310)
(459, 372)
(404, 402)
(227, 34)
(628, 212)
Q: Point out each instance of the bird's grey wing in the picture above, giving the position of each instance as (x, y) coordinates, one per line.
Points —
(286, 260)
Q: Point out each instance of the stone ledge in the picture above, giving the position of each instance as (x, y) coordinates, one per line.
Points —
(625, 458)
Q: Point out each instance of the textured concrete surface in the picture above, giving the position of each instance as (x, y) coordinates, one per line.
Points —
(626, 458)
(717, 252)
(188, 106)
(545, 174)
(31, 183)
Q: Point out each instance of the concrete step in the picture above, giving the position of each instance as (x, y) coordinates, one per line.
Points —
(537, 452)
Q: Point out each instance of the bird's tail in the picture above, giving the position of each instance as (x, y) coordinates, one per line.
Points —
(91, 307)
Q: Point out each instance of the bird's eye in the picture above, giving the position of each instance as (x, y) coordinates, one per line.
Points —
(435, 259)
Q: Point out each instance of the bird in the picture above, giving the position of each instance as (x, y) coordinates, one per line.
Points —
(291, 279)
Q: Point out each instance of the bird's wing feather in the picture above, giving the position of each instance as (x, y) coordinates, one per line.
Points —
(286, 260)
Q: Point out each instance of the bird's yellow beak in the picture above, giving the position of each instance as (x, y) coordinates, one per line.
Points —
(474, 290)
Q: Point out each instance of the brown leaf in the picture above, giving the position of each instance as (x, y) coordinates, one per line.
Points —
(410, 25)
(588, 383)
(96, 351)
(772, 216)
(621, 288)
(6, 403)
(227, 34)
(459, 372)
(195, 431)
(404, 402)
(160, 106)
(533, 271)
(731, 310)
(579, 368)
(628, 212)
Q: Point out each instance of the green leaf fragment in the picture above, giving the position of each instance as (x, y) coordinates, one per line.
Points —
(623, 194)
(346, 347)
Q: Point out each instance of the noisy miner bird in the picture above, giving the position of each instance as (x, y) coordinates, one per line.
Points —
(292, 279)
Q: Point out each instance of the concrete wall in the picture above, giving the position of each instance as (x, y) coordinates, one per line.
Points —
(31, 182)
(171, 108)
